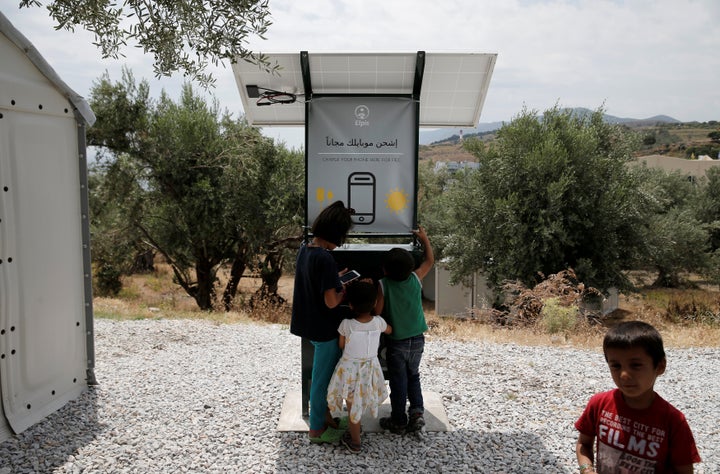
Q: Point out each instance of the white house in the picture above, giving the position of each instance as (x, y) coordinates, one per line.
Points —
(46, 317)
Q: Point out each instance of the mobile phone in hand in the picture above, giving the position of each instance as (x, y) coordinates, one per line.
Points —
(349, 276)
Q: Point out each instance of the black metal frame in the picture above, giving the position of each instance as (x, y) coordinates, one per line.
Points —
(415, 96)
(307, 349)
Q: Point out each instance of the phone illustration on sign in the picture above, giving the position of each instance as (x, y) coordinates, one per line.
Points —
(361, 197)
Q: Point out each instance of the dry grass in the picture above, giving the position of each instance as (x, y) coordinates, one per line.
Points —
(154, 296)
(633, 307)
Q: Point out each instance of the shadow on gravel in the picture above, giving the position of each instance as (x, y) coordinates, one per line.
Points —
(49, 443)
(454, 451)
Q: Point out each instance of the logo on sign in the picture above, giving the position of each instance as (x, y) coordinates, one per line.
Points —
(362, 112)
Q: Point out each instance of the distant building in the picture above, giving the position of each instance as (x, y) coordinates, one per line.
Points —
(695, 168)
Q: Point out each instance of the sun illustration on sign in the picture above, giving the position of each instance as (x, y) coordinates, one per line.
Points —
(321, 194)
(396, 200)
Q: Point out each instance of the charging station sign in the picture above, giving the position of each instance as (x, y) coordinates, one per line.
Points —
(363, 151)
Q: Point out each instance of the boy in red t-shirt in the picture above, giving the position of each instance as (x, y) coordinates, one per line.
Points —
(636, 430)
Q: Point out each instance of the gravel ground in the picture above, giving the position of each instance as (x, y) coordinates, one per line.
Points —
(191, 396)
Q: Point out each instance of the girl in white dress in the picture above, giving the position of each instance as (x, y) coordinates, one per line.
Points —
(358, 378)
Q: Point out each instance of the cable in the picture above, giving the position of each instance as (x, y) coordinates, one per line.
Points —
(270, 97)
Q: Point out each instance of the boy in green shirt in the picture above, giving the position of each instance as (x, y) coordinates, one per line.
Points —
(400, 303)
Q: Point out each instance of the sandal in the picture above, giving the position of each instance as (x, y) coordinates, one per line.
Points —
(342, 423)
(354, 448)
(330, 435)
(337, 423)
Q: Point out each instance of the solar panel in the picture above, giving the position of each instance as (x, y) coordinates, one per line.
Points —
(452, 90)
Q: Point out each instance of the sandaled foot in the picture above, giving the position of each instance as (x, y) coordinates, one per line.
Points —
(330, 436)
(354, 448)
(340, 423)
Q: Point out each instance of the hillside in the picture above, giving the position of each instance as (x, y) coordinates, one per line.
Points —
(659, 135)
(444, 152)
(681, 140)
(428, 137)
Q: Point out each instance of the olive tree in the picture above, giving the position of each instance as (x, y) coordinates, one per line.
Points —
(205, 188)
(552, 192)
(709, 205)
(676, 240)
(708, 211)
(181, 35)
(432, 203)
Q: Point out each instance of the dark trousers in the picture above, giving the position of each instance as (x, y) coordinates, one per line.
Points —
(403, 363)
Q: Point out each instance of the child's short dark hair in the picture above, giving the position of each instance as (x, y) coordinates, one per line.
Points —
(361, 295)
(333, 223)
(398, 264)
(631, 334)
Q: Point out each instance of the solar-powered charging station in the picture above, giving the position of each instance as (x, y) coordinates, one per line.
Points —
(362, 114)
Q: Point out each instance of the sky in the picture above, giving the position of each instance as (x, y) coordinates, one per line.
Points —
(635, 58)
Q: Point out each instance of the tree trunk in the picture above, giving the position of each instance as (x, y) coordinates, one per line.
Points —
(667, 279)
(270, 273)
(270, 277)
(205, 294)
(236, 272)
(144, 262)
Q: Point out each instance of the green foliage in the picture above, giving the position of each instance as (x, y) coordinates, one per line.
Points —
(708, 212)
(663, 134)
(200, 188)
(713, 269)
(677, 242)
(182, 35)
(675, 239)
(712, 194)
(710, 149)
(551, 193)
(107, 280)
(432, 205)
(556, 318)
(115, 196)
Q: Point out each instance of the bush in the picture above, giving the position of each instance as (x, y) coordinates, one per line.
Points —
(557, 318)
(649, 139)
(522, 306)
(107, 280)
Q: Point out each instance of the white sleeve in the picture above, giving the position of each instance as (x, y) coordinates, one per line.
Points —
(344, 328)
(381, 323)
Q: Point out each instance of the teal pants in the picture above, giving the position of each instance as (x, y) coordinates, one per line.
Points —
(327, 354)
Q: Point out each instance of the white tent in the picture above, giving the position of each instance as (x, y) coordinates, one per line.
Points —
(46, 319)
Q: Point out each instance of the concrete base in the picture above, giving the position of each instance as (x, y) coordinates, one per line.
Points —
(291, 418)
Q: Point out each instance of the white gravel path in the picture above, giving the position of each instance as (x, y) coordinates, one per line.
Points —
(191, 396)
